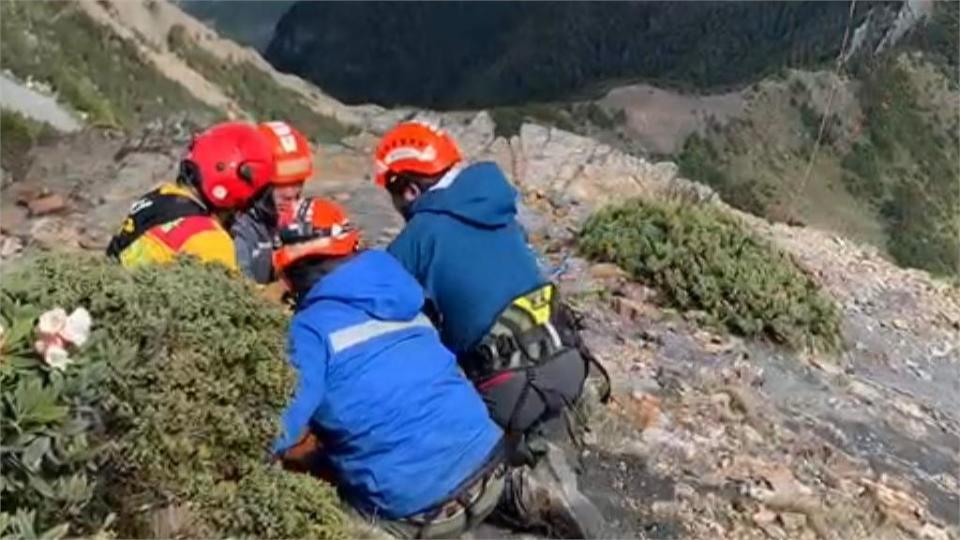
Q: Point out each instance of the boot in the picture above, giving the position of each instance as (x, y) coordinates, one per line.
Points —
(545, 497)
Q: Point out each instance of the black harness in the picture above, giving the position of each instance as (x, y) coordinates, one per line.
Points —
(154, 208)
(535, 330)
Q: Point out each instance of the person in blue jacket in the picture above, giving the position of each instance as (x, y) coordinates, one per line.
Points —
(497, 312)
(381, 408)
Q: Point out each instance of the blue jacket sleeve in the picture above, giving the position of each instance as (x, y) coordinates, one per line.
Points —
(309, 355)
(252, 244)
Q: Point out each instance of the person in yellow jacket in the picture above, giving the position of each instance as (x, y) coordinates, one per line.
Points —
(225, 167)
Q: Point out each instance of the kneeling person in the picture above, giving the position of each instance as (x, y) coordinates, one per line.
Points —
(225, 167)
(403, 435)
(498, 313)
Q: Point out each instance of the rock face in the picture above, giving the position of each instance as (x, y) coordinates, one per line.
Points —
(571, 173)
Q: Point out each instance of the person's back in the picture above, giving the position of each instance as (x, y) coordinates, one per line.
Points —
(381, 409)
(513, 337)
(401, 432)
(463, 244)
(401, 427)
(185, 228)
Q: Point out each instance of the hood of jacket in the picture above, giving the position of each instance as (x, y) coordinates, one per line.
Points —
(373, 282)
(480, 194)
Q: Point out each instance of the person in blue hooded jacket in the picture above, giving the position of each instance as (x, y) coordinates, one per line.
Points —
(497, 312)
(380, 408)
(401, 432)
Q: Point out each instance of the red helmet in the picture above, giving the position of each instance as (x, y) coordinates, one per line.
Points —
(315, 228)
(414, 147)
(229, 163)
(292, 152)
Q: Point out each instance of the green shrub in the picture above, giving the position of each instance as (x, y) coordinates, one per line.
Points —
(864, 162)
(700, 160)
(702, 259)
(89, 66)
(46, 454)
(810, 120)
(196, 381)
(256, 91)
(18, 134)
(278, 504)
(905, 168)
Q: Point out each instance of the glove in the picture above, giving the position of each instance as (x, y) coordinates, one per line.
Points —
(299, 456)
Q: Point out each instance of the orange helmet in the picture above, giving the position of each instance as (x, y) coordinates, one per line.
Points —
(292, 152)
(414, 147)
(315, 228)
(229, 163)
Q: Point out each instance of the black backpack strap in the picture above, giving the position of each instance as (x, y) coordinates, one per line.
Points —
(570, 325)
(592, 361)
(154, 208)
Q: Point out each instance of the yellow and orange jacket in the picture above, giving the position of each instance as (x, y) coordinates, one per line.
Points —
(167, 222)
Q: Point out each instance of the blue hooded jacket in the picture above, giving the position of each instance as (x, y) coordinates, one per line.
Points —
(464, 245)
(400, 425)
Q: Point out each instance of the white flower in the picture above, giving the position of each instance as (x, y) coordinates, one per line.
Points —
(52, 322)
(56, 357)
(76, 329)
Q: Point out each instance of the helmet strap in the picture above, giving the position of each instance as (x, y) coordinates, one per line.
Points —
(188, 175)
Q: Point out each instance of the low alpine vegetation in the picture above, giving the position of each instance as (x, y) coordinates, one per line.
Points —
(702, 259)
(161, 422)
(93, 70)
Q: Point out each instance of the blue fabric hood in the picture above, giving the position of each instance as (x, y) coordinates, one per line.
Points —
(479, 195)
(373, 283)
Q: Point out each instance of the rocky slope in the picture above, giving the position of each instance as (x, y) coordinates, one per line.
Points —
(708, 435)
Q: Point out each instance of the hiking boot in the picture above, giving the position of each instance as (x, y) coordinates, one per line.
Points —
(546, 497)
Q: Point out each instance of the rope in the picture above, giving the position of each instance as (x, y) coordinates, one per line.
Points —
(826, 112)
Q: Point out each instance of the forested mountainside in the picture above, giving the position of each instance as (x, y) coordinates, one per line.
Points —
(248, 22)
(478, 54)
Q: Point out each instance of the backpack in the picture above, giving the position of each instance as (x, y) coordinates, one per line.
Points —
(155, 208)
